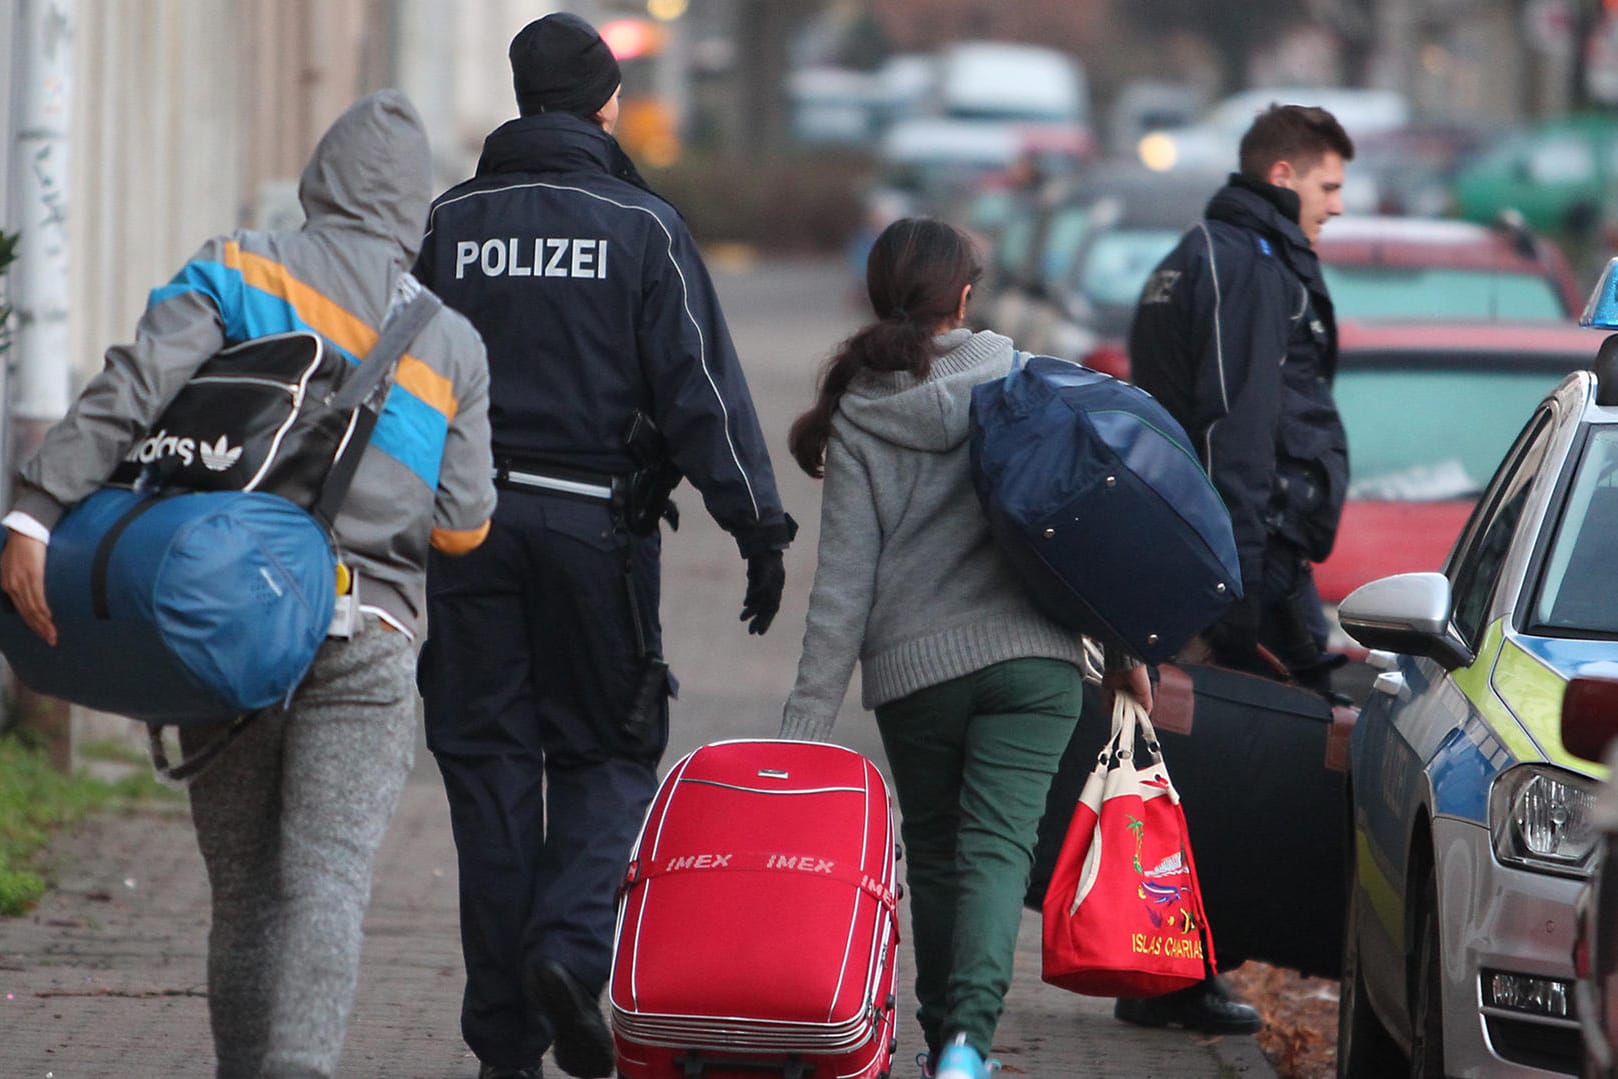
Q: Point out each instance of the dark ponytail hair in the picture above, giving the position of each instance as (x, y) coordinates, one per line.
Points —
(914, 277)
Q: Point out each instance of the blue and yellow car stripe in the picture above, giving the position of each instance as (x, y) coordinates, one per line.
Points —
(256, 296)
(1516, 687)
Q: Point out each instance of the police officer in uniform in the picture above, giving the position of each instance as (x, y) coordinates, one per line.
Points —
(1235, 334)
(612, 377)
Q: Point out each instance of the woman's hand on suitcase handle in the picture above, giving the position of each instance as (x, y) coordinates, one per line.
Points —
(1136, 681)
(22, 577)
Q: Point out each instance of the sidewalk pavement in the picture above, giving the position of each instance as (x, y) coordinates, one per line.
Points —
(106, 978)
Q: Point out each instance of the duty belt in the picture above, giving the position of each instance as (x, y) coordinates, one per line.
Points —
(596, 488)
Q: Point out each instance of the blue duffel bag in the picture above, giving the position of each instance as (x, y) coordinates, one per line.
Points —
(1102, 509)
(179, 608)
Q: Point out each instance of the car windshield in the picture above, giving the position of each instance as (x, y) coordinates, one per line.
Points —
(1382, 292)
(1421, 434)
(1119, 261)
(1575, 592)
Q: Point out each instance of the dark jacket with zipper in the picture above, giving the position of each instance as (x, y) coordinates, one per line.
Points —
(1236, 336)
(595, 305)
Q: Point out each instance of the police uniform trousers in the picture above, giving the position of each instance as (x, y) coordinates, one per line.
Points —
(538, 643)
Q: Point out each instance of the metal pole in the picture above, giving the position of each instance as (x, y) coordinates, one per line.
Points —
(42, 369)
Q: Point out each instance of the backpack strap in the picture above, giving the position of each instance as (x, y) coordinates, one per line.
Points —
(397, 333)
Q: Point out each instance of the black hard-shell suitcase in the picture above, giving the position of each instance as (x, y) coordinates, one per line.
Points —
(1262, 768)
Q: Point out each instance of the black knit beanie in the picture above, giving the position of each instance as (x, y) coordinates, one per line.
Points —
(560, 64)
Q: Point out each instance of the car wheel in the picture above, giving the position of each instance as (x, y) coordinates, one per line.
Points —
(1365, 1049)
(1427, 996)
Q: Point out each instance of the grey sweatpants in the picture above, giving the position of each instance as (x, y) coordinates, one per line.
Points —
(289, 819)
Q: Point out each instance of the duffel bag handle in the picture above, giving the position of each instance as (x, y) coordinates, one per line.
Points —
(397, 333)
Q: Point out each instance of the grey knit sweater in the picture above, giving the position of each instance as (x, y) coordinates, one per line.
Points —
(909, 580)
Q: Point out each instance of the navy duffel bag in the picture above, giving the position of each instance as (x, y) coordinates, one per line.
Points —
(178, 609)
(1105, 514)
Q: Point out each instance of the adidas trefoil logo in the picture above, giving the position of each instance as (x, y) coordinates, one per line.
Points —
(219, 456)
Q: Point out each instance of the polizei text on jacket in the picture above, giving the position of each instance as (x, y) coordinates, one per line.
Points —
(532, 256)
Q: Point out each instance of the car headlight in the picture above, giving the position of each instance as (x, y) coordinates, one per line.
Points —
(1540, 818)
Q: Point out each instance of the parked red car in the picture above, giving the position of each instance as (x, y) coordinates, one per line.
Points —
(1387, 267)
(1430, 408)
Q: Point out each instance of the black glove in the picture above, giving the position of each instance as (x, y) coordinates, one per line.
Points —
(766, 577)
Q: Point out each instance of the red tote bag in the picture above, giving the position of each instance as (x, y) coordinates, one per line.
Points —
(1123, 913)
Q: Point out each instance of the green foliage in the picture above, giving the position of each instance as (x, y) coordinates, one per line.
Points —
(36, 799)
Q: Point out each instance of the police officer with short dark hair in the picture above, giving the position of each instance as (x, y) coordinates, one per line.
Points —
(612, 377)
(1235, 334)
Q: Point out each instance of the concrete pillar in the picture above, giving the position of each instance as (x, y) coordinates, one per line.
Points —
(38, 391)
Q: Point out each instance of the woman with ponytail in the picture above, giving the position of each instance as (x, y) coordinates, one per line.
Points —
(976, 693)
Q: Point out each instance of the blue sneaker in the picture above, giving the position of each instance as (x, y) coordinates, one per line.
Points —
(961, 1061)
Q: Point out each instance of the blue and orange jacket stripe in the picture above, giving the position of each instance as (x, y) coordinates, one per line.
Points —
(257, 296)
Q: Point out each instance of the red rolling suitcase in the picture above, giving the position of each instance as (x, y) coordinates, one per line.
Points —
(757, 927)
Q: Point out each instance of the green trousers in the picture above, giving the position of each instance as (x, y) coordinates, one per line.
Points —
(972, 761)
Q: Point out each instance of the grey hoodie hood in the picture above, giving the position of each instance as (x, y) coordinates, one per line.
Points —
(933, 414)
(372, 171)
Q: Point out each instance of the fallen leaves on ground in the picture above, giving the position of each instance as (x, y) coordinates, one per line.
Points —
(1300, 1018)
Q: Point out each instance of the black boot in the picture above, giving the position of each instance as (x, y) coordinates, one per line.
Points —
(581, 1042)
(1207, 1007)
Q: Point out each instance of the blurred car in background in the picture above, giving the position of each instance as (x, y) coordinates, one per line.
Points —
(1026, 256)
(1127, 219)
(1212, 142)
(832, 106)
(1558, 174)
(1004, 82)
(929, 158)
(1590, 731)
(904, 85)
(957, 169)
(976, 118)
(1384, 267)
(1411, 170)
(1144, 106)
(1430, 408)
(1472, 824)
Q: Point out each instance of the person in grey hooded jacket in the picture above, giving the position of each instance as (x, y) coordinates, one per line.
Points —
(290, 813)
(976, 693)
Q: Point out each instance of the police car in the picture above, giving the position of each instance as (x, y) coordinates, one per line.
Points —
(1472, 823)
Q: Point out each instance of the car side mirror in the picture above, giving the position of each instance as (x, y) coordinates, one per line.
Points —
(1407, 613)
(1590, 716)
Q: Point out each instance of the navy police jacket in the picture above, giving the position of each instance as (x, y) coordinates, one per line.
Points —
(1236, 336)
(594, 304)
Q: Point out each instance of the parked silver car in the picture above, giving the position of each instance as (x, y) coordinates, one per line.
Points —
(1472, 823)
